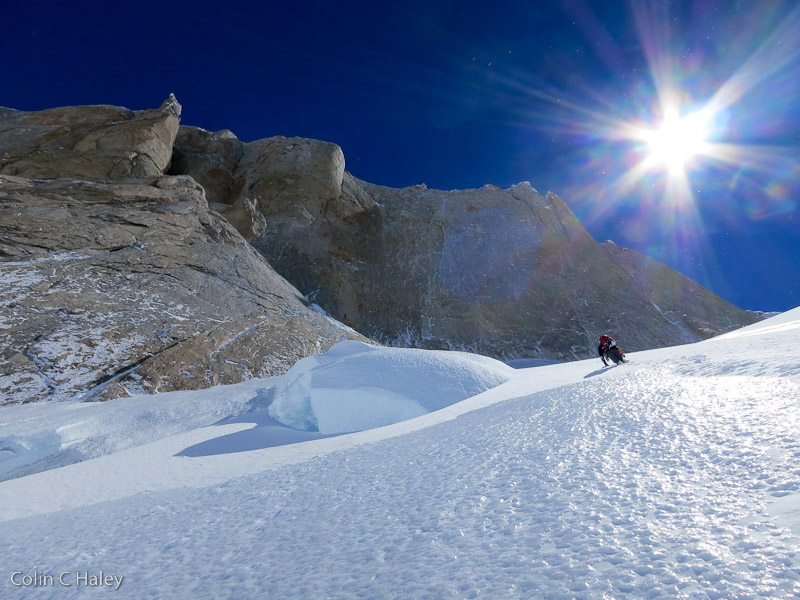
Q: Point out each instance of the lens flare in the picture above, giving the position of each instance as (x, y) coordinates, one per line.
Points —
(692, 140)
(692, 123)
(677, 140)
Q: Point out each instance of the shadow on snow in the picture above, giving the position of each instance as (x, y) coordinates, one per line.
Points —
(599, 371)
(267, 433)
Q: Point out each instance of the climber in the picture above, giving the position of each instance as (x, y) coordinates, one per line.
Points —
(607, 349)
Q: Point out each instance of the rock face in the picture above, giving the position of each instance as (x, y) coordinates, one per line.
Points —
(146, 290)
(113, 284)
(210, 158)
(507, 273)
(126, 267)
(93, 143)
(255, 182)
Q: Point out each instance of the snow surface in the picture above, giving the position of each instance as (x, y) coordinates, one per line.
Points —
(357, 386)
(674, 476)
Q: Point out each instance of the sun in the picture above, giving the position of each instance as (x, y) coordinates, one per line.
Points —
(676, 141)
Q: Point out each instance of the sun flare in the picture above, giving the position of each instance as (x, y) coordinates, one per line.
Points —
(677, 140)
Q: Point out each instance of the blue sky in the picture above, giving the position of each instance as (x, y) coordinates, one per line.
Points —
(566, 94)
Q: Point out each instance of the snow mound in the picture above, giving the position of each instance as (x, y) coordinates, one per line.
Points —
(356, 386)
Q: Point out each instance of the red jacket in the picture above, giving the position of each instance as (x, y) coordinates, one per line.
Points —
(606, 342)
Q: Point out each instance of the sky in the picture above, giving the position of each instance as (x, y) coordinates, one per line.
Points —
(669, 127)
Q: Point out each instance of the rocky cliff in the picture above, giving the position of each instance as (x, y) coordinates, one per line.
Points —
(508, 273)
(137, 255)
(118, 279)
(88, 142)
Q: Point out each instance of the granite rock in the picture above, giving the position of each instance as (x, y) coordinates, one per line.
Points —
(94, 143)
(506, 273)
(111, 289)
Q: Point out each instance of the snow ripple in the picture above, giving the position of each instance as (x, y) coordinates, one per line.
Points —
(646, 485)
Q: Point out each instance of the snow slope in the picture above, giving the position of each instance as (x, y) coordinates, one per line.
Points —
(357, 386)
(675, 476)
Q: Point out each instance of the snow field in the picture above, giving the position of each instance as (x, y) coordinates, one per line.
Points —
(357, 386)
(677, 476)
(643, 493)
(41, 436)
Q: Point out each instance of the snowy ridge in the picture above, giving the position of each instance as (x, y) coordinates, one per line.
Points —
(357, 386)
(676, 476)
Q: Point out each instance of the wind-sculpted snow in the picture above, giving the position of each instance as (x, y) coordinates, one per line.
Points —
(675, 476)
(37, 437)
(356, 386)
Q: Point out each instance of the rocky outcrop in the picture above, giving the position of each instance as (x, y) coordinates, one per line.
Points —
(115, 288)
(94, 143)
(507, 273)
(125, 264)
(255, 182)
(210, 159)
(118, 279)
